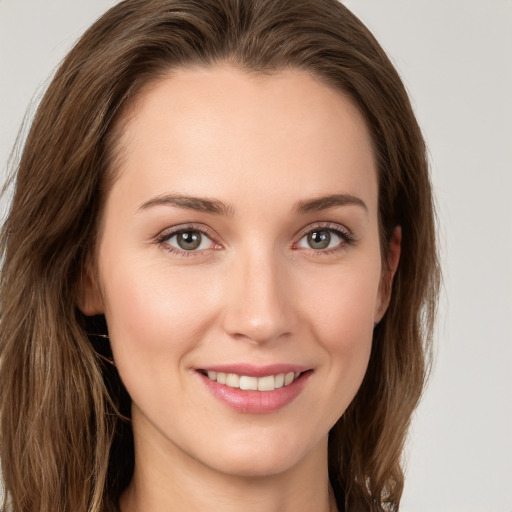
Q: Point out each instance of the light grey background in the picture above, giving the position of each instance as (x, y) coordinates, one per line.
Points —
(455, 57)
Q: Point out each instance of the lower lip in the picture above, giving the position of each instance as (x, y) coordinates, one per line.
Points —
(256, 402)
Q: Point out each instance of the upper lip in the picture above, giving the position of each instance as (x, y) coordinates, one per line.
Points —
(251, 370)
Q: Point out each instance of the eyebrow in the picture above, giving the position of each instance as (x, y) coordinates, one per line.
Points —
(217, 207)
(200, 204)
(329, 201)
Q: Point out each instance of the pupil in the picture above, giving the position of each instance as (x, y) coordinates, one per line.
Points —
(319, 239)
(189, 240)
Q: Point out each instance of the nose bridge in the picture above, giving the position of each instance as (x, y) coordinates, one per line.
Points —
(259, 306)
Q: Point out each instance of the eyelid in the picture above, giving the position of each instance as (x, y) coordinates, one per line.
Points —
(345, 234)
(174, 230)
(325, 225)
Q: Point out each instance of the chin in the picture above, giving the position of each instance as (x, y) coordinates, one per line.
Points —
(257, 467)
(268, 459)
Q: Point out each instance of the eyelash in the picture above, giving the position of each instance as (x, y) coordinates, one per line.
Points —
(163, 238)
(346, 237)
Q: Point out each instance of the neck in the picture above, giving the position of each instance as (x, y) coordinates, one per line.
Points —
(171, 481)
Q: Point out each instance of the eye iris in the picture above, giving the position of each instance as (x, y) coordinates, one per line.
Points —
(189, 240)
(319, 239)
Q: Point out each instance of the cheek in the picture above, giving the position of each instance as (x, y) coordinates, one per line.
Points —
(154, 316)
(343, 307)
(156, 320)
(342, 323)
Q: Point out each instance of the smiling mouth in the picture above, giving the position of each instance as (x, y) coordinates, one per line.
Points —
(245, 382)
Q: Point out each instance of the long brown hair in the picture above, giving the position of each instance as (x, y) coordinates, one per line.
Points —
(65, 443)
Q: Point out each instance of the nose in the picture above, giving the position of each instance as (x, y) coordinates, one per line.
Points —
(259, 306)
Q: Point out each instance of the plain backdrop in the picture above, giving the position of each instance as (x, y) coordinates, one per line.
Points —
(455, 57)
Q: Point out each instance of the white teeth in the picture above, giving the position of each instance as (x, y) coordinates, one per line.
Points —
(233, 380)
(288, 378)
(279, 381)
(248, 382)
(267, 383)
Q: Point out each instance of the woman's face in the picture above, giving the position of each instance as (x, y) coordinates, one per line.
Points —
(239, 243)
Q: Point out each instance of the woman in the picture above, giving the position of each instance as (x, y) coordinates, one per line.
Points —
(220, 270)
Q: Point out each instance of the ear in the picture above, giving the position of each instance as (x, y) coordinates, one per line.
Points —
(388, 273)
(89, 300)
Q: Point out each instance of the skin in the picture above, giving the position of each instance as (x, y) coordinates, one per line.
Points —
(255, 292)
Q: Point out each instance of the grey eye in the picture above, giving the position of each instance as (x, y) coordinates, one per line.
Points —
(320, 239)
(190, 240)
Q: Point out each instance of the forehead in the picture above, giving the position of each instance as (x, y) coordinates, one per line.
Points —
(214, 131)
